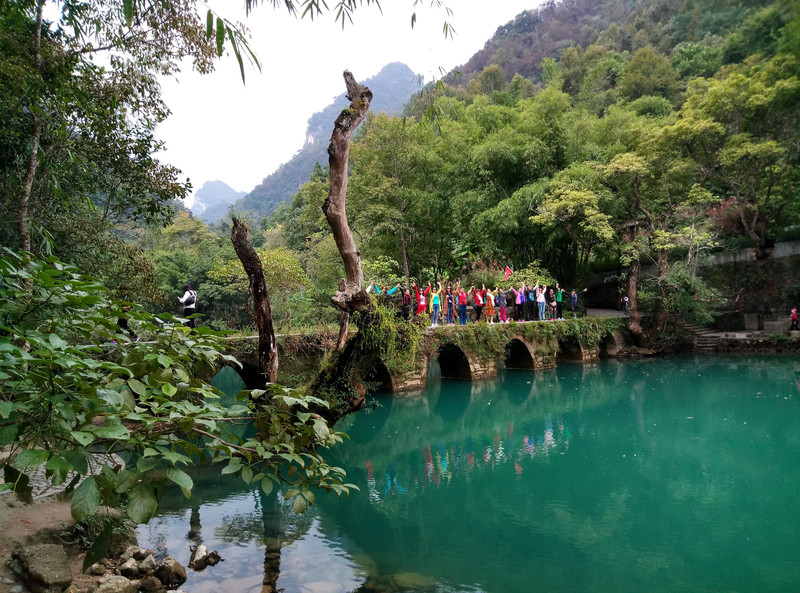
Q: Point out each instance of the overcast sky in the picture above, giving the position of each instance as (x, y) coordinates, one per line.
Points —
(239, 134)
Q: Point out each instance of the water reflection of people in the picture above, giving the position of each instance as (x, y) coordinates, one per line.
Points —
(373, 492)
(392, 485)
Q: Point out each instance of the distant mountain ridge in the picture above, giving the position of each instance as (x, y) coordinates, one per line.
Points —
(391, 88)
(212, 201)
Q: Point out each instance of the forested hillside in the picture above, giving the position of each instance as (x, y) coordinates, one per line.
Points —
(664, 135)
(212, 201)
(392, 87)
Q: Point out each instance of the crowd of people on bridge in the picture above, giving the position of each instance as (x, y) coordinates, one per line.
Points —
(449, 302)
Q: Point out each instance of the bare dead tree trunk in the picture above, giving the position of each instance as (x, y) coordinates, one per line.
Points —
(405, 256)
(36, 134)
(340, 377)
(267, 344)
(353, 297)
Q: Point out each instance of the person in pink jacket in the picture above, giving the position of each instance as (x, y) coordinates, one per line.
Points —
(519, 303)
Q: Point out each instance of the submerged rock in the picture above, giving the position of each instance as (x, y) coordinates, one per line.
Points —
(412, 580)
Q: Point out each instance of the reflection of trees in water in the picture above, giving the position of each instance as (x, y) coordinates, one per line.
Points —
(686, 463)
(272, 524)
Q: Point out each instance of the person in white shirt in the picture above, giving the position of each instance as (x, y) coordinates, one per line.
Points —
(188, 300)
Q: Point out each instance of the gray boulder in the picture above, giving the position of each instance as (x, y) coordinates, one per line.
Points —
(114, 583)
(44, 568)
(171, 573)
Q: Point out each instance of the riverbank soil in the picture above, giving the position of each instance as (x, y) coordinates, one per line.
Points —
(22, 523)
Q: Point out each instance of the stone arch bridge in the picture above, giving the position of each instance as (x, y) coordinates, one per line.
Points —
(470, 352)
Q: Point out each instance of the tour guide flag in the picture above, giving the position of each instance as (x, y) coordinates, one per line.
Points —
(508, 273)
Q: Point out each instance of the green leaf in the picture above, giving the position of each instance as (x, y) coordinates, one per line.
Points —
(247, 475)
(111, 397)
(85, 500)
(99, 548)
(30, 458)
(209, 23)
(137, 387)
(300, 505)
(8, 434)
(57, 342)
(142, 503)
(169, 389)
(181, 478)
(112, 431)
(164, 360)
(127, 10)
(230, 469)
(145, 465)
(19, 481)
(77, 458)
(126, 479)
(267, 485)
(84, 438)
(59, 467)
(291, 493)
(6, 408)
(303, 416)
(220, 35)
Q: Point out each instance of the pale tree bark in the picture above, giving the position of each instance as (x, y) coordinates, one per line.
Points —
(267, 344)
(36, 134)
(353, 297)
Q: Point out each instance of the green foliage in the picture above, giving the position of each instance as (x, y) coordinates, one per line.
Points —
(391, 339)
(72, 383)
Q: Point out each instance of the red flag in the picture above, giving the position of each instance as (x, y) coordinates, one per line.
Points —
(508, 273)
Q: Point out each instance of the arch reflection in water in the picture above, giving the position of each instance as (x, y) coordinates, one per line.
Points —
(670, 475)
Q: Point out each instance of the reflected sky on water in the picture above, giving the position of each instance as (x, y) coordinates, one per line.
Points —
(656, 475)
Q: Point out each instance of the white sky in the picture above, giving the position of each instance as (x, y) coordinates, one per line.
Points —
(239, 134)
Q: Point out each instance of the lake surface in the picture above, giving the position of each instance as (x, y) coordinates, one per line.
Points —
(666, 475)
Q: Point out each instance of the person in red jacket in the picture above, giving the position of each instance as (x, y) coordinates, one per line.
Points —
(479, 297)
(794, 320)
(422, 303)
(462, 306)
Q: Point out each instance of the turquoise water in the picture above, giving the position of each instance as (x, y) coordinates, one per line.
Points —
(658, 475)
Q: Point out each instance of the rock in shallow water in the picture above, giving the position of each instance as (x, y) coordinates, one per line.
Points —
(171, 573)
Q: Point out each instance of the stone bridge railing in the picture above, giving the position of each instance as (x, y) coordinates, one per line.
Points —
(476, 351)
(469, 352)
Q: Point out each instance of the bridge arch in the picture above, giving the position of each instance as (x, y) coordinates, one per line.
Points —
(611, 344)
(570, 349)
(520, 354)
(378, 378)
(247, 372)
(453, 362)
